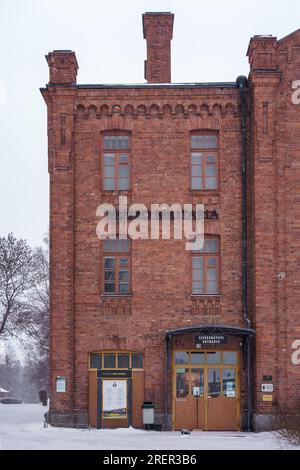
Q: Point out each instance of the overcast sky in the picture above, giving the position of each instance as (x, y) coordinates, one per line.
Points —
(209, 44)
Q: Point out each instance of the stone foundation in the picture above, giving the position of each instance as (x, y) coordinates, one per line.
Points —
(69, 420)
(264, 422)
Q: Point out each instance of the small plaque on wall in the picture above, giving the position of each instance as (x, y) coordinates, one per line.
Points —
(267, 397)
(267, 388)
(267, 378)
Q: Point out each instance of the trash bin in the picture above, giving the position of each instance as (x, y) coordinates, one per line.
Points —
(148, 412)
(43, 397)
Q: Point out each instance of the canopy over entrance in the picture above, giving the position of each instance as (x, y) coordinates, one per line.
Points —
(211, 329)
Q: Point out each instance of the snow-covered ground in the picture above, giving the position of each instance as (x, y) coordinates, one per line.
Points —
(21, 427)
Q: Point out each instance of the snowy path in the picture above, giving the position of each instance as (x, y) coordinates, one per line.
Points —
(21, 427)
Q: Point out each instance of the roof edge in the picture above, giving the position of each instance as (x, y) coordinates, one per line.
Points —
(289, 35)
(161, 85)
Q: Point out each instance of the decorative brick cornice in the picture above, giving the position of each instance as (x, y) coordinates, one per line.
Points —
(115, 342)
(186, 110)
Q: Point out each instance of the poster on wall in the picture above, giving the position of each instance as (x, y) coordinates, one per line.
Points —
(60, 384)
(114, 399)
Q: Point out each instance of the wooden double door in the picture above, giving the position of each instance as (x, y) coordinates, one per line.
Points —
(206, 390)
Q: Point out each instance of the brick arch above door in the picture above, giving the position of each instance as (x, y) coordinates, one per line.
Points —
(110, 343)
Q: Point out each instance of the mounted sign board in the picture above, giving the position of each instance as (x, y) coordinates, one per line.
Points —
(202, 340)
(114, 373)
(60, 384)
(267, 378)
(115, 399)
(267, 397)
(267, 388)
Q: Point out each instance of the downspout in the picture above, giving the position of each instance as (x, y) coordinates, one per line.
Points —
(241, 83)
(168, 339)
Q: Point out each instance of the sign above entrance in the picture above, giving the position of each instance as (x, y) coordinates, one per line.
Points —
(203, 340)
(114, 373)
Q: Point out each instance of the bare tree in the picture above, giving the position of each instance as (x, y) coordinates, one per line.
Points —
(24, 315)
(18, 276)
(37, 302)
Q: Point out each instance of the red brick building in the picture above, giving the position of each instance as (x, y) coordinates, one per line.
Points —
(207, 336)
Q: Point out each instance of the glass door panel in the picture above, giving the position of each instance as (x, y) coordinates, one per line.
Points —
(229, 383)
(197, 382)
(182, 382)
(214, 382)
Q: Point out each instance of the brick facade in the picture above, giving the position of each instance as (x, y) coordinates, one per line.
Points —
(160, 119)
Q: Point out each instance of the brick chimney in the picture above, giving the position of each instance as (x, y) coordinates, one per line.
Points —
(158, 32)
(62, 67)
(262, 53)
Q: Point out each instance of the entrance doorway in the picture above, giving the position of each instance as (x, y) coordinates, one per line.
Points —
(116, 389)
(206, 390)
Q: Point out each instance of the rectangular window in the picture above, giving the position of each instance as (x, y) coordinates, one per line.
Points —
(96, 361)
(206, 268)
(137, 361)
(204, 161)
(197, 358)
(181, 357)
(123, 361)
(116, 266)
(116, 159)
(116, 142)
(213, 357)
(229, 357)
(109, 361)
(116, 360)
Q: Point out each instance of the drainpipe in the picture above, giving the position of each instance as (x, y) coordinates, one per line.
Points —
(241, 83)
(168, 339)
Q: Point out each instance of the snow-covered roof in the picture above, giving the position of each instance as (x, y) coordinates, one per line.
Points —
(2, 390)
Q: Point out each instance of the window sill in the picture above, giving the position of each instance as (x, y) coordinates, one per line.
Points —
(115, 296)
(205, 296)
(116, 192)
(211, 192)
